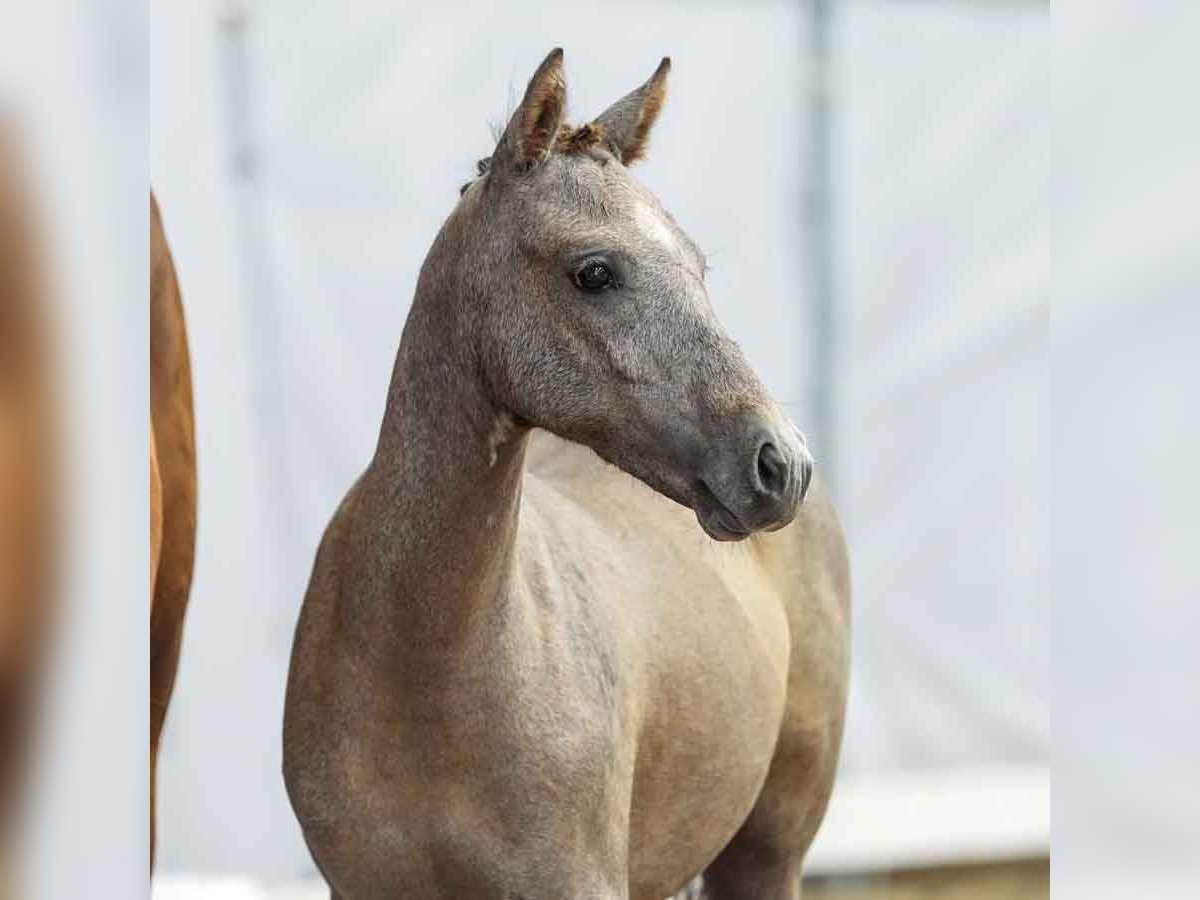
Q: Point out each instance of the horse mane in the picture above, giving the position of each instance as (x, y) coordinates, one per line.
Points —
(573, 140)
(570, 140)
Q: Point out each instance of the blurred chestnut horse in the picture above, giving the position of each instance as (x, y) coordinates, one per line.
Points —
(172, 485)
(28, 481)
(521, 670)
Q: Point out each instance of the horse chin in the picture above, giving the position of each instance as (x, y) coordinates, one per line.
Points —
(720, 525)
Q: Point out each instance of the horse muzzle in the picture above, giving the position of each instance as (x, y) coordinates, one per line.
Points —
(756, 483)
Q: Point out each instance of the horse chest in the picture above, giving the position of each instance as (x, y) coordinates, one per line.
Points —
(604, 711)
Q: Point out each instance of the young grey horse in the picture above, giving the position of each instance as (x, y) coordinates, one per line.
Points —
(520, 673)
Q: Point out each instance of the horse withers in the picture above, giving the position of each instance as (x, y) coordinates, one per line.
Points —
(533, 660)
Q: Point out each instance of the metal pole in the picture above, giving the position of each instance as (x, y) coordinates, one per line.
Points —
(256, 276)
(821, 333)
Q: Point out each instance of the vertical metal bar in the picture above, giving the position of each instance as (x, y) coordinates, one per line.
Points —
(255, 273)
(821, 332)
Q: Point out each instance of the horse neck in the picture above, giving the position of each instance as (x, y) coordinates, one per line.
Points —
(437, 508)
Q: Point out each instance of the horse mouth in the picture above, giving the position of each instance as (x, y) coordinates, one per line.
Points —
(718, 522)
(716, 527)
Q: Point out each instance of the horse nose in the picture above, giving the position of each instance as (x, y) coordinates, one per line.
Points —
(756, 484)
(774, 473)
(783, 471)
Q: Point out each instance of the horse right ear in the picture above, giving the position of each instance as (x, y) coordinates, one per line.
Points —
(627, 122)
(529, 137)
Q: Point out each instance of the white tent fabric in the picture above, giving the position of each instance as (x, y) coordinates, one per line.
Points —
(298, 258)
(942, 159)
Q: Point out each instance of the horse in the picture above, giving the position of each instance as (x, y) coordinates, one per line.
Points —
(532, 660)
(29, 480)
(172, 486)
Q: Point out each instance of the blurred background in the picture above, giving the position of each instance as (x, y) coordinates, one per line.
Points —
(74, 100)
(871, 180)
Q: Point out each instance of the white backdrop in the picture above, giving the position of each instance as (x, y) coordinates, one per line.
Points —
(942, 181)
(1126, 583)
(298, 257)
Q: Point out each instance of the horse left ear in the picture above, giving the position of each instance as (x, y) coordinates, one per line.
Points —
(627, 123)
(529, 137)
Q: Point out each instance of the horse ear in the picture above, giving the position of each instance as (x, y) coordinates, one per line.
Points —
(529, 136)
(627, 123)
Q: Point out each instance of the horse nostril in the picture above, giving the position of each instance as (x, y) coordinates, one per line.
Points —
(772, 470)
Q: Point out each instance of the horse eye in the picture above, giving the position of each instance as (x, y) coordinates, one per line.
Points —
(594, 276)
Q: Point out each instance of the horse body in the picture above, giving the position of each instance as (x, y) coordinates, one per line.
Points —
(584, 714)
(172, 486)
(520, 672)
